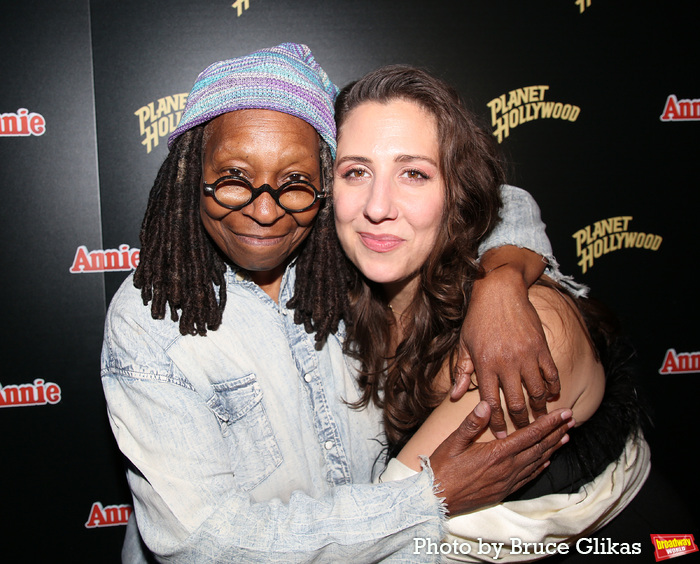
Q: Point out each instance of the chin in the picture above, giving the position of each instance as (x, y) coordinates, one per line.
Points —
(383, 275)
(259, 264)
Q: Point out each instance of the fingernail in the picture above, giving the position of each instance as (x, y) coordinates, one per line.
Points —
(565, 439)
(500, 434)
(480, 409)
(566, 414)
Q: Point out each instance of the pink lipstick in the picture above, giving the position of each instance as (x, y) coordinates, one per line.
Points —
(380, 243)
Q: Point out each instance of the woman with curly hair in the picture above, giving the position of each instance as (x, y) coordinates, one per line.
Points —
(416, 188)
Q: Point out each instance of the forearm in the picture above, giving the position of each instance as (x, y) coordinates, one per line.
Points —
(511, 265)
(553, 518)
(346, 525)
(188, 503)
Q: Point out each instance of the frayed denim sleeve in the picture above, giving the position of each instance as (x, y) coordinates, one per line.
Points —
(521, 225)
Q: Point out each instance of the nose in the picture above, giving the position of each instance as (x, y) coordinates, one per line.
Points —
(264, 210)
(380, 204)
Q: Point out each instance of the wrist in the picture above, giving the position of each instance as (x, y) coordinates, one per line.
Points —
(502, 275)
(513, 264)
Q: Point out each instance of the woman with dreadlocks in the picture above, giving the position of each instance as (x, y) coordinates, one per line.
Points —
(234, 419)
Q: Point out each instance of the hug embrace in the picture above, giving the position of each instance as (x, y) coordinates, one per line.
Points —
(294, 371)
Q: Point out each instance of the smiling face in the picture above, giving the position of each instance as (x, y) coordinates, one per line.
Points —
(265, 147)
(388, 191)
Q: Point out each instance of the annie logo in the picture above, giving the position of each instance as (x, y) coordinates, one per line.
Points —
(526, 104)
(108, 260)
(680, 110)
(22, 124)
(160, 118)
(670, 546)
(680, 363)
(108, 516)
(22, 395)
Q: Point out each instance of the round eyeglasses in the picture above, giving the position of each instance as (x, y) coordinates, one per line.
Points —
(235, 192)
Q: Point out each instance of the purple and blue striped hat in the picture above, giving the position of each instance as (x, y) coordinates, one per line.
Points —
(285, 78)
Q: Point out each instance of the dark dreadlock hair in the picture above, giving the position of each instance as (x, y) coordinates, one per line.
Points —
(322, 272)
(181, 267)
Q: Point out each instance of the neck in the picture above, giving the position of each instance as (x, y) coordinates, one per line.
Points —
(269, 280)
(400, 294)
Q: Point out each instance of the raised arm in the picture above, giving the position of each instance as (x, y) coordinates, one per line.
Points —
(553, 518)
(502, 337)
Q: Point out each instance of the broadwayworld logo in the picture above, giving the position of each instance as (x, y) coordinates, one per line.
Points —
(671, 546)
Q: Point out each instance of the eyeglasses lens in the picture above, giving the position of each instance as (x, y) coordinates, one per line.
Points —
(297, 196)
(233, 192)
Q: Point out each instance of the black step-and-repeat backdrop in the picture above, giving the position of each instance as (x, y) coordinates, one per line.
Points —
(596, 103)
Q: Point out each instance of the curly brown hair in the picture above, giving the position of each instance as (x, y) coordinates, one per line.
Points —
(402, 380)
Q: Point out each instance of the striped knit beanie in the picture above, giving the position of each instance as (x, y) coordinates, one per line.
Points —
(285, 78)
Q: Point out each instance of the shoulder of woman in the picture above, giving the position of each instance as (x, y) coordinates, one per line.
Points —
(581, 374)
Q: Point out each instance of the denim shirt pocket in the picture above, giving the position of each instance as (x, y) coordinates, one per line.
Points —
(255, 453)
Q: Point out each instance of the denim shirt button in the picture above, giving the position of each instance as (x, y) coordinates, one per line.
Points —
(328, 445)
(307, 378)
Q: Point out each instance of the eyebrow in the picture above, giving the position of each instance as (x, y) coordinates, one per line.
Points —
(409, 158)
(398, 159)
(340, 161)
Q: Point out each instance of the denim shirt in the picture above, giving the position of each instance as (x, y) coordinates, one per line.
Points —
(240, 444)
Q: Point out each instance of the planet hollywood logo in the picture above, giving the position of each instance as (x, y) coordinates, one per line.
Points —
(22, 124)
(160, 118)
(608, 235)
(582, 5)
(240, 6)
(523, 105)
